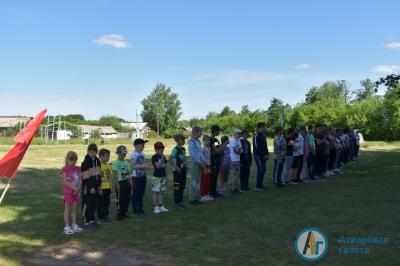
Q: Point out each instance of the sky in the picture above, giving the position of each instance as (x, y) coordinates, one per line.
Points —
(102, 57)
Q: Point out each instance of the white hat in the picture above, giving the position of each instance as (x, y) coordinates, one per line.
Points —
(237, 131)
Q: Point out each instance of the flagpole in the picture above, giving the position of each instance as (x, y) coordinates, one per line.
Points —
(5, 190)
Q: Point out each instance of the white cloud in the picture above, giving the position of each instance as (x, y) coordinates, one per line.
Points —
(392, 45)
(114, 40)
(302, 66)
(386, 69)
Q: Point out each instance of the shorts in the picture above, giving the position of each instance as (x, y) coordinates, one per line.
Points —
(236, 166)
(158, 184)
(71, 198)
(296, 161)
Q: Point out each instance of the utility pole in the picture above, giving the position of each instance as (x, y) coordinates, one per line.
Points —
(158, 123)
(47, 130)
(52, 132)
(137, 125)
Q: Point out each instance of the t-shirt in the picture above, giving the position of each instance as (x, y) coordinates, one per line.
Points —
(319, 147)
(106, 171)
(139, 158)
(72, 173)
(226, 157)
(310, 140)
(289, 148)
(123, 169)
(214, 142)
(206, 155)
(235, 143)
(162, 171)
(299, 146)
(178, 156)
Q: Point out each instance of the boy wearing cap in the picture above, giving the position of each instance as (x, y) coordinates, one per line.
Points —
(159, 181)
(122, 170)
(91, 175)
(139, 177)
(178, 161)
(197, 162)
(236, 150)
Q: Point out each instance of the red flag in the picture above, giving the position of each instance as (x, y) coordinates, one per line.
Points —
(10, 162)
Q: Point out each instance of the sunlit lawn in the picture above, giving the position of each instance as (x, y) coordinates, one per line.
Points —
(257, 228)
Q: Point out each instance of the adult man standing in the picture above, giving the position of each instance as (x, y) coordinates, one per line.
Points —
(261, 155)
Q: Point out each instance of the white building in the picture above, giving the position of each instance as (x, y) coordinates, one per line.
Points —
(106, 132)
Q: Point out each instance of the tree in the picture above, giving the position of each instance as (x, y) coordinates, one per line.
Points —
(274, 112)
(366, 92)
(161, 109)
(226, 111)
(328, 91)
(112, 121)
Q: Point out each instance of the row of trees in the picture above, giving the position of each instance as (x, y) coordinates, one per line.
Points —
(332, 104)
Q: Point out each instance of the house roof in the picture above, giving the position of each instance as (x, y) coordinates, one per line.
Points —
(102, 129)
(133, 125)
(12, 121)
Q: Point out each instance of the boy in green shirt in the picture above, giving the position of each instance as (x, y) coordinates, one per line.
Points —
(122, 170)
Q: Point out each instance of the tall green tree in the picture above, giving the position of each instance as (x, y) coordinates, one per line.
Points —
(328, 91)
(366, 92)
(161, 109)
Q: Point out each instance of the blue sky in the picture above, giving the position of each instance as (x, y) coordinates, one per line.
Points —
(99, 57)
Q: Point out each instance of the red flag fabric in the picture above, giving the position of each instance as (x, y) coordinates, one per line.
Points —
(10, 162)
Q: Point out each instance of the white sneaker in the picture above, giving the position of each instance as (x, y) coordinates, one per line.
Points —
(209, 197)
(203, 199)
(76, 228)
(68, 230)
(162, 208)
(156, 210)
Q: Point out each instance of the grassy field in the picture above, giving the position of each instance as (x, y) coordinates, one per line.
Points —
(257, 228)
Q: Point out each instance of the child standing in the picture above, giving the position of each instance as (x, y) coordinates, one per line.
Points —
(178, 161)
(105, 187)
(139, 177)
(279, 156)
(226, 164)
(197, 162)
(206, 171)
(91, 175)
(122, 170)
(236, 150)
(159, 184)
(72, 183)
(245, 162)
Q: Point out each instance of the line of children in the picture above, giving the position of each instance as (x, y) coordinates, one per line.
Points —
(321, 153)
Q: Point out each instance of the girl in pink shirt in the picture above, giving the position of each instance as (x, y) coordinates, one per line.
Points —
(72, 184)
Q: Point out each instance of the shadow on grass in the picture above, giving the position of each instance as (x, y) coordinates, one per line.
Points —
(255, 228)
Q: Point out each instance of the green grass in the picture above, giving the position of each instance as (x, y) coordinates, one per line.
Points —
(250, 229)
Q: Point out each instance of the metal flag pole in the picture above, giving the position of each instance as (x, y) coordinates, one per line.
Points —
(5, 190)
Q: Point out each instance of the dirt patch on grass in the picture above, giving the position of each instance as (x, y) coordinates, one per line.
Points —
(76, 253)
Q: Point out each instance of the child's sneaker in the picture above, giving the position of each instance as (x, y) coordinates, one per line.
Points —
(162, 208)
(180, 206)
(209, 197)
(68, 230)
(203, 199)
(156, 210)
(76, 228)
